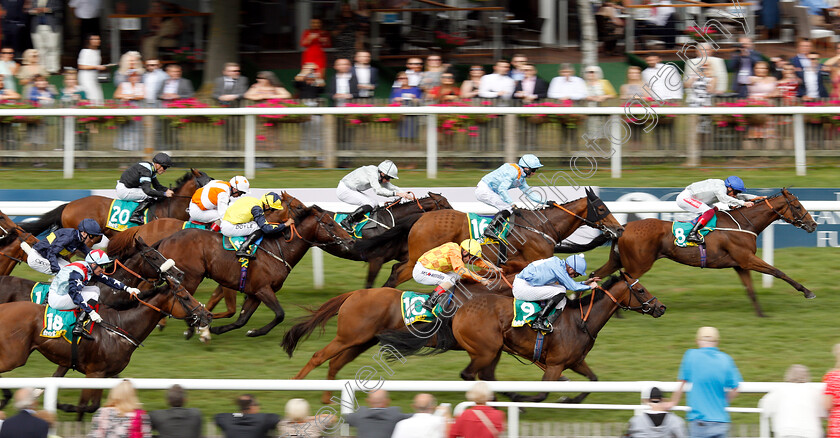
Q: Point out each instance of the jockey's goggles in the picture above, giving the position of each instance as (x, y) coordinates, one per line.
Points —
(530, 170)
(106, 266)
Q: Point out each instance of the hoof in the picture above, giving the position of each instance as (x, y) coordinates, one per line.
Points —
(204, 335)
(809, 295)
(188, 334)
(254, 333)
(564, 399)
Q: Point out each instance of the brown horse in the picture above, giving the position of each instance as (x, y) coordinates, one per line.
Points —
(533, 237)
(482, 327)
(731, 245)
(110, 353)
(98, 207)
(10, 236)
(199, 254)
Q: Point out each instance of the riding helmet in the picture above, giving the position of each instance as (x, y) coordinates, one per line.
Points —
(272, 200)
(90, 226)
(163, 159)
(735, 183)
(530, 161)
(472, 246)
(578, 263)
(388, 168)
(240, 183)
(98, 257)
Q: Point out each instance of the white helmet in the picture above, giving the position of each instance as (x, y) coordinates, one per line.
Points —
(98, 257)
(240, 183)
(388, 168)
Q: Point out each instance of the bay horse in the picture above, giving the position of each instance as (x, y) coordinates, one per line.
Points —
(110, 353)
(533, 237)
(731, 245)
(199, 254)
(482, 327)
(10, 237)
(98, 207)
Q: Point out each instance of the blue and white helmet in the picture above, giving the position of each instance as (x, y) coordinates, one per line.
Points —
(735, 183)
(578, 263)
(98, 257)
(530, 161)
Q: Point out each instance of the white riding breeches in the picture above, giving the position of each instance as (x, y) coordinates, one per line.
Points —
(204, 216)
(64, 302)
(430, 277)
(524, 291)
(485, 194)
(39, 263)
(350, 196)
(128, 194)
(231, 230)
(48, 43)
(688, 202)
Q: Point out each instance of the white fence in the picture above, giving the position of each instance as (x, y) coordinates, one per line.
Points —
(648, 115)
(349, 388)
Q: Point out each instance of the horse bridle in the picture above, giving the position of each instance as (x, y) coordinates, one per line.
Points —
(336, 240)
(591, 210)
(177, 289)
(797, 222)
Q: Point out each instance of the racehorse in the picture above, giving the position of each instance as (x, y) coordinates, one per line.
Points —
(199, 254)
(98, 207)
(110, 353)
(362, 315)
(731, 245)
(10, 236)
(482, 327)
(533, 237)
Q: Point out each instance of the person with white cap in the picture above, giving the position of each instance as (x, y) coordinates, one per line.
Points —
(714, 382)
(655, 421)
(378, 178)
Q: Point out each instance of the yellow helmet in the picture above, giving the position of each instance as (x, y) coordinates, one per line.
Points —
(272, 200)
(472, 246)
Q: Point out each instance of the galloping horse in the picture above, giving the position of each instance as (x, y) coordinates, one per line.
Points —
(110, 353)
(731, 245)
(98, 207)
(199, 254)
(10, 236)
(534, 235)
(482, 327)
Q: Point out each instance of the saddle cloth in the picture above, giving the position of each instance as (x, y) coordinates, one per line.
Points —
(477, 223)
(199, 225)
(357, 229)
(119, 213)
(525, 312)
(59, 323)
(39, 292)
(681, 230)
(412, 308)
(232, 243)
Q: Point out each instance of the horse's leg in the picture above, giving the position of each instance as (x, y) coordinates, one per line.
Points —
(581, 368)
(374, 266)
(229, 296)
(748, 284)
(338, 362)
(400, 273)
(248, 307)
(613, 264)
(754, 263)
(267, 296)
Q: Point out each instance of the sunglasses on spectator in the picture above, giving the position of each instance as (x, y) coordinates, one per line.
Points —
(415, 63)
(8, 52)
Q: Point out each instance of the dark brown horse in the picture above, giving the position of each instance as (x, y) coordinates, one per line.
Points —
(731, 245)
(533, 236)
(10, 236)
(482, 327)
(98, 207)
(110, 353)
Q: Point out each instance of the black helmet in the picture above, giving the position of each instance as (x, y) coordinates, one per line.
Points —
(90, 226)
(163, 159)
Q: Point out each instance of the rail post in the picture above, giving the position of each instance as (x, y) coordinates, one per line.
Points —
(318, 268)
(69, 145)
(250, 145)
(615, 141)
(767, 242)
(431, 146)
(799, 143)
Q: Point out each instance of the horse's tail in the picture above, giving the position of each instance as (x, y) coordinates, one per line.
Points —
(398, 233)
(564, 247)
(45, 221)
(319, 317)
(121, 246)
(415, 339)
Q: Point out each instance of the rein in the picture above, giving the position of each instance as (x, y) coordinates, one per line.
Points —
(586, 221)
(644, 307)
(796, 221)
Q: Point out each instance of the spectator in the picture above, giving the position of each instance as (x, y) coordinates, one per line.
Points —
(8, 65)
(531, 87)
(788, 85)
(249, 422)
(267, 87)
(309, 83)
(567, 86)
(469, 88)
(50, 417)
(634, 86)
(663, 81)
(25, 423)
(498, 84)
(801, 60)
(406, 95)
(715, 67)
(612, 28)
(231, 86)
(378, 419)
(298, 422)
(130, 91)
(660, 22)
(343, 85)
(129, 62)
(479, 421)
(714, 382)
(414, 71)
(31, 67)
(367, 76)
(700, 86)
(42, 93)
(434, 70)
(87, 11)
(598, 89)
(447, 91)
(795, 409)
(834, 77)
(831, 62)
(424, 423)
(90, 64)
(743, 64)
(13, 23)
(177, 421)
(656, 421)
(813, 75)
(344, 32)
(45, 30)
(762, 85)
(175, 87)
(818, 11)
(121, 416)
(165, 32)
(7, 93)
(71, 93)
(831, 396)
(315, 40)
(517, 61)
(153, 80)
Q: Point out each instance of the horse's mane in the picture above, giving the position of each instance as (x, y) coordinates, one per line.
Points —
(547, 206)
(183, 179)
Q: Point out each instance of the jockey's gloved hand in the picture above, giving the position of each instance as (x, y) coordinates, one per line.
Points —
(94, 316)
(132, 290)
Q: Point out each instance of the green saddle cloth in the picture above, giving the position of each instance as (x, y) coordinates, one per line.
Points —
(39, 292)
(525, 312)
(412, 308)
(477, 223)
(120, 212)
(357, 229)
(59, 324)
(681, 230)
(191, 224)
(232, 243)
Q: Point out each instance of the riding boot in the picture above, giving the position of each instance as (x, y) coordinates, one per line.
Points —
(79, 327)
(495, 225)
(137, 216)
(434, 298)
(349, 222)
(543, 323)
(244, 249)
(694, 236)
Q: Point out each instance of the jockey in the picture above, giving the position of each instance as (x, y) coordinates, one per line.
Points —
(246, 217)
(210, 202)
(379, 178)
(70, 289)
(697, 197)
(139, 183)
(549, 279)
(445, 265)
(493, 189)
(48, 256)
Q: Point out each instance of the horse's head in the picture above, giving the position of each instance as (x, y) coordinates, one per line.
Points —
(631, 295)
(788, 207)
(314, 225)
(437, 201)
(598, 214)
(191, 181)
(8, 230)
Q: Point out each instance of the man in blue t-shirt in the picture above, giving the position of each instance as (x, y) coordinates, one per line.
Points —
(714, 382)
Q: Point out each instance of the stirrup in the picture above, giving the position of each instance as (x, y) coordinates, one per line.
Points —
(694, 238)
(541, 325)
(79, 329)
(431, 302)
